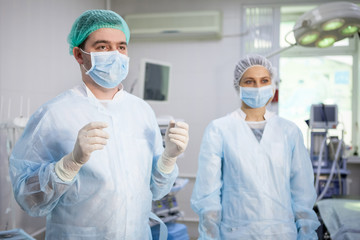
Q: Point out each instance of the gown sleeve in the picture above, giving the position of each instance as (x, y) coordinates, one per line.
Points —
(303, 193)
(206, 196)
(37, 188)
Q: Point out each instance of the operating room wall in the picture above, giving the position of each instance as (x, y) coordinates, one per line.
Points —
(35, 61)
(35, 66)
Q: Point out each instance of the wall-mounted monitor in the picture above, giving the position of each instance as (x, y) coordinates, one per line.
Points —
(323, 116)
(154, 80)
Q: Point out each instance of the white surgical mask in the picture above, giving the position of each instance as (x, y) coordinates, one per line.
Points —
(108, 69)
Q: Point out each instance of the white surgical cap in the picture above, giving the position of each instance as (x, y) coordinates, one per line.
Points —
(248, 62)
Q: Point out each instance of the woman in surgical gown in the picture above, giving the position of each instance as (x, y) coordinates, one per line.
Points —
(255, 178)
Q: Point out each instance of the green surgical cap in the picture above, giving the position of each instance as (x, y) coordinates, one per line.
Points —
(93, 20)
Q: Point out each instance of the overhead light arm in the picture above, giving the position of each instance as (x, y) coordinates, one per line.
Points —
(282, 49)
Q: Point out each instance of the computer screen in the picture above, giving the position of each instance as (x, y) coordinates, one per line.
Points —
(323, 116)
(154, 80)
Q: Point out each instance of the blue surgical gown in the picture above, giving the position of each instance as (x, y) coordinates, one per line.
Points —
(246, 189)
(110, 198)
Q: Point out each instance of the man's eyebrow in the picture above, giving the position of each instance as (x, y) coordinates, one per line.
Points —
(100, 41)
(107, 42)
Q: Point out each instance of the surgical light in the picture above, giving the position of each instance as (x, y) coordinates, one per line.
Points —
(326, 42)
(309, 38)
(323, 26)
(349, 30)
(333, 24)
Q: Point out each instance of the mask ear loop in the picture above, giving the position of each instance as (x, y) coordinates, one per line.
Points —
(87, 70)
(84, 52)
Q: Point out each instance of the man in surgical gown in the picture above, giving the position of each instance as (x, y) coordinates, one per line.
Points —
(255, 178)
(92, 159)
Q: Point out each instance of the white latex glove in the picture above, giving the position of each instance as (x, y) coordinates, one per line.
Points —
(90, 138)
(176, 141)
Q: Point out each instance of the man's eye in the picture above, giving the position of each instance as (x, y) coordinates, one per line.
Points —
(101, 47)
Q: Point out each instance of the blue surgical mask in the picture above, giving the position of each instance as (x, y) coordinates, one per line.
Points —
(256, 97)
(108, 69)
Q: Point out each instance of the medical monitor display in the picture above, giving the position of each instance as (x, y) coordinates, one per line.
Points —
(323, 116)
(155, 78)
